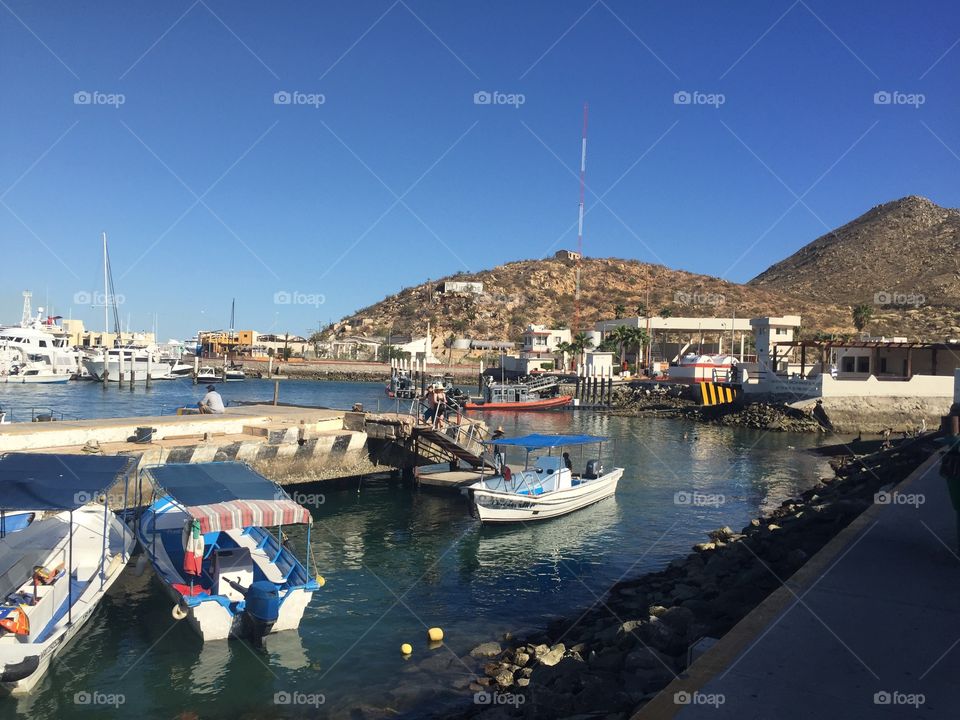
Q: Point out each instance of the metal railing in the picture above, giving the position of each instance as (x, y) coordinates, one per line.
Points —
(464, 432)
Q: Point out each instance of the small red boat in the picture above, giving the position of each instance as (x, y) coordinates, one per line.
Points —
(538, 404)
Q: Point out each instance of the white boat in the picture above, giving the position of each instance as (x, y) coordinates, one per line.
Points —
(55, 570)
(39, 345)
(208, 539)
(233, 373)
(208, 374)
(141, 360)
(545, 489)
(32, 373)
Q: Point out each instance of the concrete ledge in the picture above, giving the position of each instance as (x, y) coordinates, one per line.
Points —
(756, 624)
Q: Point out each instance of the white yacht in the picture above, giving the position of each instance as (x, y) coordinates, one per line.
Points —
(141, 360)
(37, 348)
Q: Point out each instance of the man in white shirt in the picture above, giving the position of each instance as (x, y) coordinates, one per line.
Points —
(211, 403)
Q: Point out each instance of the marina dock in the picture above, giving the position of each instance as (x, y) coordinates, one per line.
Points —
(288, 444)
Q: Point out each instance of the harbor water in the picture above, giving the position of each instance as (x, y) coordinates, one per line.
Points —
(399, 560)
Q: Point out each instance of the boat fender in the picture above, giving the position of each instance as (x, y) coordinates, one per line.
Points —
(435, 634)
(178, 612)
(406, 649)
(141, 565)
(321, 581)
(18, 671)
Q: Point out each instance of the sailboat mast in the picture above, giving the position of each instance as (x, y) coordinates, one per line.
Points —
(106, 293)
(583, 186)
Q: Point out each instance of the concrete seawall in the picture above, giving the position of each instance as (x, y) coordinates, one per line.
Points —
(287, 444)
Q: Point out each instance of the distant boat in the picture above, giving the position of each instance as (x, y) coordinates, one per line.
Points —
(545, 488)
(208, 538)
(31, 373)
(208, 374)
(535, 395)
(233, 373)
(140, 360)
(55, 570)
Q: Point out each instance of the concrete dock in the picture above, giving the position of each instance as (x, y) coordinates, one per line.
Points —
(868, 627)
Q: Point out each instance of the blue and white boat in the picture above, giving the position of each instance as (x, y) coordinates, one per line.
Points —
(55, 569)
(545, 488)
(208, 537)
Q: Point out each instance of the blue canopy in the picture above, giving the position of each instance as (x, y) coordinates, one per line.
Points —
(536, 441)
(58, 482)
(193, 484)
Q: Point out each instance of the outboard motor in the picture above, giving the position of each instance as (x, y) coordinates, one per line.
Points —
(594, 470)
(261, 608)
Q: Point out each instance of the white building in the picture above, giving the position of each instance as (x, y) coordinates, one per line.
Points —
(539, 340)
(673, 337)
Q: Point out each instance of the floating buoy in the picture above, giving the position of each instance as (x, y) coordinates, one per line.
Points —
(320, 581)
(406, 648)
(435, 634)
(178, 612)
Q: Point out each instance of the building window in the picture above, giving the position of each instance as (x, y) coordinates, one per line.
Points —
(847, 365)
(883, 364)
(863, 364)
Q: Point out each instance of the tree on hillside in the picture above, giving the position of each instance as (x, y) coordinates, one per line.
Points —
(862, 314)
(619, 310)
(665, 312)
(642, 310)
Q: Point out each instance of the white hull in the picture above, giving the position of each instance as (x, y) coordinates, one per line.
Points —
(38, 379)
(157, 370)
(497, 506)
(93, 575)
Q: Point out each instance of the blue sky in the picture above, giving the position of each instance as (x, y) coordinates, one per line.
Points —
(209, 189)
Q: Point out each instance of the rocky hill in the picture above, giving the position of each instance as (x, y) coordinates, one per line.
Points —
(542, 291)
(902, 258)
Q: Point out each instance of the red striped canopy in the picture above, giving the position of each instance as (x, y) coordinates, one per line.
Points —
(238, 514)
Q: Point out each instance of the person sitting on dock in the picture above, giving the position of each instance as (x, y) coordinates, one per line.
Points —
(212, 403)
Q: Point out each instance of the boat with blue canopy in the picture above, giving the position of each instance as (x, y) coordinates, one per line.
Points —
(55, 569)
(207, 533)
(546, 488)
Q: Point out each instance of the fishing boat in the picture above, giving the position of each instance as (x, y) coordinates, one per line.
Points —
(545, 489)
(208, 538)
(539, 394)
(56, 569)
(208, 374)
(32, 373)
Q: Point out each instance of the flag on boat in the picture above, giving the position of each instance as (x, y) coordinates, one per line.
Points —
(193, 548)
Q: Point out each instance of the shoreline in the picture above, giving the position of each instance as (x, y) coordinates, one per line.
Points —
(614, 656)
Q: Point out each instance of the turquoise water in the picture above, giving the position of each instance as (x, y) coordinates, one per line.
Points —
(398, 560)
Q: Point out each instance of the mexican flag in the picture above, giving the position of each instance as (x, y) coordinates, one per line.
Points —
(192, 548)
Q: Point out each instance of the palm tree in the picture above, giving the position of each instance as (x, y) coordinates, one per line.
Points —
(641, 310)
(861, 316)
(563, 349)
(622, 336)
(665, 311)
(619, 310)
(581, 343)
(638, 337)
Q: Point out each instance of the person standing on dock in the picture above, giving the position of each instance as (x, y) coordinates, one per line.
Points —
(498, 458)
(212, 403)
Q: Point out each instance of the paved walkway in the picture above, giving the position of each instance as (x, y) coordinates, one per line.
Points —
(869, 628)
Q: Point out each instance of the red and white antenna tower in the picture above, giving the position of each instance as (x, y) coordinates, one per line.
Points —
(583, 190)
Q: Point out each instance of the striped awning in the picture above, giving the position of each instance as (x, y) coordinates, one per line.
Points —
(238, 514)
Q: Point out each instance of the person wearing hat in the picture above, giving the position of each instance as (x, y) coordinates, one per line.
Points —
(498, 457)
(212, 403)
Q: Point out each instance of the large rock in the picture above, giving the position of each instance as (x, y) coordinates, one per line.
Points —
(560, 674)
(553, 657)
(486, 650)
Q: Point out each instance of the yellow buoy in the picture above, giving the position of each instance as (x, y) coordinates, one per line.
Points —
(406, 648)
(435, 634)
(320, 581)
